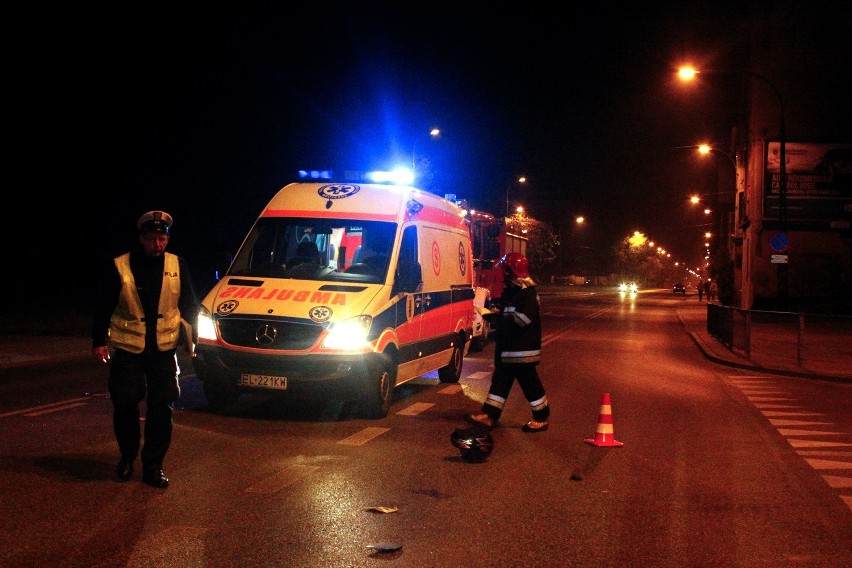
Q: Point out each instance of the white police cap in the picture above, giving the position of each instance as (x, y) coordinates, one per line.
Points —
(159, 221)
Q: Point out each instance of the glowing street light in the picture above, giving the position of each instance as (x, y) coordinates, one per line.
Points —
(687, 73)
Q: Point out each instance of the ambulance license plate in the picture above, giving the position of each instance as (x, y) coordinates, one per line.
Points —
(263, 381)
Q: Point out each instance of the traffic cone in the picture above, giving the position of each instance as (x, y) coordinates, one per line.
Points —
(604, 434)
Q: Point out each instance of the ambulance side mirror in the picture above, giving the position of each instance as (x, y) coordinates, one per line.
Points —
(408, 277)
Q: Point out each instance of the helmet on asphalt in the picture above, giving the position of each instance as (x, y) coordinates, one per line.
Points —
(475, 443)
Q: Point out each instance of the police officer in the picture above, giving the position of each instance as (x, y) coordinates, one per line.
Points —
(517, 349)
(145, 302)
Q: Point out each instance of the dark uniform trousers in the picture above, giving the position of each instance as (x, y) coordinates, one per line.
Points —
(151, 376)
(527, 376)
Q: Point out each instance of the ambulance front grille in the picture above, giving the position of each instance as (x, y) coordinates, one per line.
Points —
(269, 334)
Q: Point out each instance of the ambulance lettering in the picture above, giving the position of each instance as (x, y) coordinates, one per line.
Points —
(339, 299)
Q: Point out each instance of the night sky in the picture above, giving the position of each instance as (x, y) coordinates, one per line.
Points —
(206, 112)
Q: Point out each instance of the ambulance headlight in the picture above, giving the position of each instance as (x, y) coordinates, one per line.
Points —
(348, 334)
(206, 329)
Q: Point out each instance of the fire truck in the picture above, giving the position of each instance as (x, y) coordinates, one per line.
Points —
(491, 237)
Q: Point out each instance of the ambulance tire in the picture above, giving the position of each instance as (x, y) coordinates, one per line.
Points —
(219, 396)
(378, 389)
(451, 373)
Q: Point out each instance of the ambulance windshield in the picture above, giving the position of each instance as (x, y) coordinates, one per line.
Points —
(331, 250)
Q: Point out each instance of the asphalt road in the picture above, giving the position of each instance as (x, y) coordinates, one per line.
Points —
(720, 466)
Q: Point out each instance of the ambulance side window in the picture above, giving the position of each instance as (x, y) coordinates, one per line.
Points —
(409, 277)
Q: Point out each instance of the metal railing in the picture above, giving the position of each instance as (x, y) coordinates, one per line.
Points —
(820, 343)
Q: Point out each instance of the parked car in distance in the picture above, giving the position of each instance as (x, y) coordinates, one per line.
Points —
(679, 288)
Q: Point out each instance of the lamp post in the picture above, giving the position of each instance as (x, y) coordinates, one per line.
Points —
(521, 180)
(687, 74)
(434, 133)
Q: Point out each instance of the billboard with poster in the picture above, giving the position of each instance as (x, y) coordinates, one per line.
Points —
(819, 181)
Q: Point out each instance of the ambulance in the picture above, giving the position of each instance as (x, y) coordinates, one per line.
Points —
(340, 291)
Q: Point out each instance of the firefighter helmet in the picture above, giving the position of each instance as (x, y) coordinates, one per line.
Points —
(516, 263)
(475, 443)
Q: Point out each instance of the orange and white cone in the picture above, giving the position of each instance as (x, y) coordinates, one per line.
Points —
(605, 434)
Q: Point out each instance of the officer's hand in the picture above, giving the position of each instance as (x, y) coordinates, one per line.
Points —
(101, 354)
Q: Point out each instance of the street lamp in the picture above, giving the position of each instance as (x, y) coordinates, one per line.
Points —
(434, 133)
(708, 149)
(689, 73)
(521, 180)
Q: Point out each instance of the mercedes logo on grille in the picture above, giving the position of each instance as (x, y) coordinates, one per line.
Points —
(266, 335)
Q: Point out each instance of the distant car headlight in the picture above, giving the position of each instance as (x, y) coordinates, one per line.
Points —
(206, 329)
(350, 334)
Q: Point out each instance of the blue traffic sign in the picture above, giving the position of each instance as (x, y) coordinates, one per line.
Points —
(779, 242)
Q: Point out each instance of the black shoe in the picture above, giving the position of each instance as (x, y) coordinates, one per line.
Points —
(124, 471)
(155, 478)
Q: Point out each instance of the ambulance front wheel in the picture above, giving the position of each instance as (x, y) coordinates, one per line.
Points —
(451, 373)
(378, 388)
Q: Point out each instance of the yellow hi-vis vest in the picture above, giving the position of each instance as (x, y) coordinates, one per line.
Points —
(127, 325)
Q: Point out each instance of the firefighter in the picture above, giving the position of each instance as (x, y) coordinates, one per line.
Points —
(517, 350)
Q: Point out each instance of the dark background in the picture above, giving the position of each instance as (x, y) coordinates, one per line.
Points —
(206, 111)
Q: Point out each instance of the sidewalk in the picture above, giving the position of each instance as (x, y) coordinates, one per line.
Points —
(16, 350)
(693, 316)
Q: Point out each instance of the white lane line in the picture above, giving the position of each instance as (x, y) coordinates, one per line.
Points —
(364, 436)
(792, 432)
(838, 482)
(827, 464)
(44, 406)
(451, 389)
(765, 396)
(479, 375)
(815, 444)
(281, 479)
(777, 422)
(416, 408)
(777, 413)
(826, 453)
(56, 409)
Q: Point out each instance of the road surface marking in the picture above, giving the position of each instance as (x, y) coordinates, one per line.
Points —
(56, 409)
(364, 436)
(61, 403)
(416, 408)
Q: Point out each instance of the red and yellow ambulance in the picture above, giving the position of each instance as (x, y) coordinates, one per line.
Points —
(341, 291)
